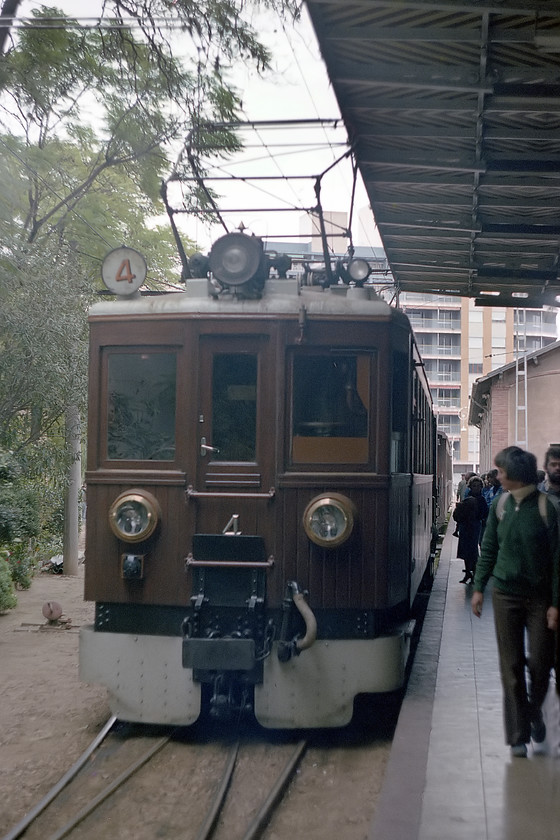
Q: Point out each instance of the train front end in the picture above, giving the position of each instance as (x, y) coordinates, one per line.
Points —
(259, 510)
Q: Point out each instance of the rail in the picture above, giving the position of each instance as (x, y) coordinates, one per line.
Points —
(253, 831)
(30, 817)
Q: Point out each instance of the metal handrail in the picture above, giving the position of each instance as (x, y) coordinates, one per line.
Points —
(210, 494)
(230, 564)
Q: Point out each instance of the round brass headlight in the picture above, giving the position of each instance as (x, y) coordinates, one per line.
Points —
(328, 520)
(134, 516)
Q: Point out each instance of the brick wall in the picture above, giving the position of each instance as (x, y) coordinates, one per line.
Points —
(501, 436)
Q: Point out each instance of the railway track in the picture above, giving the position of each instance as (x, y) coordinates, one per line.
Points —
(177, 774)
(183, 785)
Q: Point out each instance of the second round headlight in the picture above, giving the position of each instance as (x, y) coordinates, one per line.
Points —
(328, 520)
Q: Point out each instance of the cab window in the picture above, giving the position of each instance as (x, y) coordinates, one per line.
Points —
(330, 408)
(234, 406)
(141, 406)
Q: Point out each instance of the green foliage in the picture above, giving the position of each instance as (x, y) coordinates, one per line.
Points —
(45, 548)
(43, 341)
(21, 562)
(8, 598)
(19, 512)
(10, 469)
(19, 501)
(90, 122)
(30, 515)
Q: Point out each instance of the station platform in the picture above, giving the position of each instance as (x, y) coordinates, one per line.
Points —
(450, 775)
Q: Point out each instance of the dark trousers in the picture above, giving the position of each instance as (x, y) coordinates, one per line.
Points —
(513, 617)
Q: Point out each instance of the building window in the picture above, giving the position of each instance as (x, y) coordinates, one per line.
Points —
(449, 345)
(447, 398)
(449, 423)
(449, 320)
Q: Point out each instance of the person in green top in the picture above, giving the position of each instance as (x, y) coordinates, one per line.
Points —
(521, 551)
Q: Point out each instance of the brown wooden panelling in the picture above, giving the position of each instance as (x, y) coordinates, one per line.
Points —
(165, 581)
(397, 567)
(352, 576)
(370, 572)
(422, 517)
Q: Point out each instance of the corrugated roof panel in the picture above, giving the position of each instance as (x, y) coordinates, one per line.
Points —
(453, 109)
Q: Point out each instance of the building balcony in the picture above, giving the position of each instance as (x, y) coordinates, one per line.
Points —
(435, 378)
(445, 405)
(434, 325)
(431, 350)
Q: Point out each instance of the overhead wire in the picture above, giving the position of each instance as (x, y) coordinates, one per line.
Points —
(272, 157)
(90, 23)
(166, 22)
(256, 126)
(363, 230)
(305, 83)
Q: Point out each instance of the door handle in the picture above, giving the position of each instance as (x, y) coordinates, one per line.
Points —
(205, 447)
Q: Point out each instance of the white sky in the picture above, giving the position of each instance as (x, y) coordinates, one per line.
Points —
(297, 89)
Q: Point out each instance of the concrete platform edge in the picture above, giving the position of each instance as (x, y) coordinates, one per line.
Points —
(399, 808)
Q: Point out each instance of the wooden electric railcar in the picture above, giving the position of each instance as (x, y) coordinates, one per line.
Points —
(261, 497)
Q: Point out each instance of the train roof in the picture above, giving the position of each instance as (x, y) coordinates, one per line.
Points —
(279, 298)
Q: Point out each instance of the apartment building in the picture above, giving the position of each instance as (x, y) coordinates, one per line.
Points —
(461, 342)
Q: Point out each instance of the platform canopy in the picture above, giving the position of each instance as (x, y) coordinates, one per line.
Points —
(453, 109)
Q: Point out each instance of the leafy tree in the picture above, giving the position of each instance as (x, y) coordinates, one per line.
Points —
(92, 122)
(150, 100)
(43, 298)
(8, 598)
(19, 506)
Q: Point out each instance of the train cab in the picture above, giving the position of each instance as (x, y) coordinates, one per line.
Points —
(260, 498)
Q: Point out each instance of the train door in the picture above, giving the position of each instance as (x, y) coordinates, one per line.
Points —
(236, 440)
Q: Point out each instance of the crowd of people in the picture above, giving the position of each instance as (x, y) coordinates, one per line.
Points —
(475, 494)
(508, 528)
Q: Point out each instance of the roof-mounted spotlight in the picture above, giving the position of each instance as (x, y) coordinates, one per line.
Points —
(238, 263)
(358, 270)
(355, 271)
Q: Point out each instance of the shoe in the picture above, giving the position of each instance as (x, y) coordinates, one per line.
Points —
(468, 578)
(519, 750)
(538, 729)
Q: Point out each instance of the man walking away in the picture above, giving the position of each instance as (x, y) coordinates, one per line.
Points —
(520, 550)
